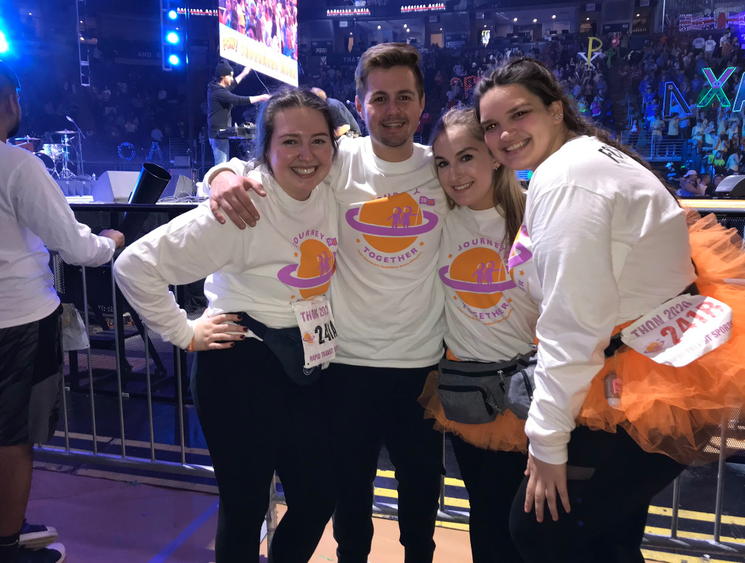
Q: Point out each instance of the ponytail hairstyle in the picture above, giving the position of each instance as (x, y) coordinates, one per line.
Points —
(541, 82)
(509, 197)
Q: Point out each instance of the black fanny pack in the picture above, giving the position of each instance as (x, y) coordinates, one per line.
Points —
(476, 392)
(287, 345)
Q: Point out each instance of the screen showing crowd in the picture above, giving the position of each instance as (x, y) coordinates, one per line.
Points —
(261, 34)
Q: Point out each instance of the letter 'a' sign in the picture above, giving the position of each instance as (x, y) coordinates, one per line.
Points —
(673, 98)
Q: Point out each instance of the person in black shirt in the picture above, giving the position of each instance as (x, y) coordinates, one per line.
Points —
(220, 102)
(341, 114)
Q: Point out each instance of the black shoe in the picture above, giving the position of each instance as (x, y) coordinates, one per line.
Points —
(35, 536)
(55, 553)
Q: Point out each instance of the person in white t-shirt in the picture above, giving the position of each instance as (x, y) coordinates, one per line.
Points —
(388, 303)
(733, 162)
(489, 320)
(34, 217)
(598, 225)
(709, 48)
(260, 413)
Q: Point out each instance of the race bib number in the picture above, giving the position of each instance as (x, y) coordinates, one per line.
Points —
(316, 324)
(681, 330)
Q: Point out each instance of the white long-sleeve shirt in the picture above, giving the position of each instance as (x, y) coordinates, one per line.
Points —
(489, 318)
(287, 257)
(34, 216)
(605, 244)
(388, 302)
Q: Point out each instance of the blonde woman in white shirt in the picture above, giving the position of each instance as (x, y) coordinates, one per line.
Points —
(604, 243)
(490, 323)
(258, 412)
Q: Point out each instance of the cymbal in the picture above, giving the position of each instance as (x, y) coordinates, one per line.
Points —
(65, 132)
(27, 139)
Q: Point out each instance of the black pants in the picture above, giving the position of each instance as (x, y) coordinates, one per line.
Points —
(492, 479)
(370, 406)
(614, 482)
(256, 421)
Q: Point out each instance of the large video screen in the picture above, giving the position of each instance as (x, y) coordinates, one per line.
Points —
(261, 34)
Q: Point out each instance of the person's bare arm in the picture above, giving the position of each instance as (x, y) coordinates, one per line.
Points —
(243, 74)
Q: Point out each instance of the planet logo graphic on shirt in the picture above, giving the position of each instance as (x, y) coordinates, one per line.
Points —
(478, 277)
(313, 276)
(392, 224)
(519, 254)
(308, 337)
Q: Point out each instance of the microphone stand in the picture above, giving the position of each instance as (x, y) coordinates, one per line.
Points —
(81, 170)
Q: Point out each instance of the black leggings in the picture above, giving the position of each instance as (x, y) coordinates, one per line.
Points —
(256, 421)
(492, 478)
(611, 482)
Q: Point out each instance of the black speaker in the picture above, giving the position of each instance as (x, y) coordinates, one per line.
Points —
(150, 185)
(731, 186)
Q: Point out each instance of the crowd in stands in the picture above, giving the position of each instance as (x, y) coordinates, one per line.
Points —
(134, 104)
(710, 140)
(451, 73)
(142, 104)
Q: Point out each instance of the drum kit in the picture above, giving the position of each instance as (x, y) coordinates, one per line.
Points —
(54, 155)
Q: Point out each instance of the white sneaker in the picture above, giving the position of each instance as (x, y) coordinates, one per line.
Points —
(35, 536)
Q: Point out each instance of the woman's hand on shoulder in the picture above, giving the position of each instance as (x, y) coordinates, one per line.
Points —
(229, 193)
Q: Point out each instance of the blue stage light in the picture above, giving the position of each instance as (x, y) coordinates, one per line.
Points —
(4, 46)
(174, 60)
(173, 14)
(173, 37)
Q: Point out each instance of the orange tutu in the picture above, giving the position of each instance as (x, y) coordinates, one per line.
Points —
(505, 433)
(679, 411)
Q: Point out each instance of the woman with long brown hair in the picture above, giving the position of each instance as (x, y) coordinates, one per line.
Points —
(604, 244)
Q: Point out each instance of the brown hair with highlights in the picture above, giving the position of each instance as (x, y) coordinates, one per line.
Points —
(509, 198)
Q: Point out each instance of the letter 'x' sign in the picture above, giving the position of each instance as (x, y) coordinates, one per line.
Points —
(716, 88)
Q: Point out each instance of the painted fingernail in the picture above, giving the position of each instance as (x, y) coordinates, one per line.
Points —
(243, 336)
(232, 344)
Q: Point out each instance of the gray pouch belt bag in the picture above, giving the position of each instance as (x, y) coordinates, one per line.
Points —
(476, 392)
